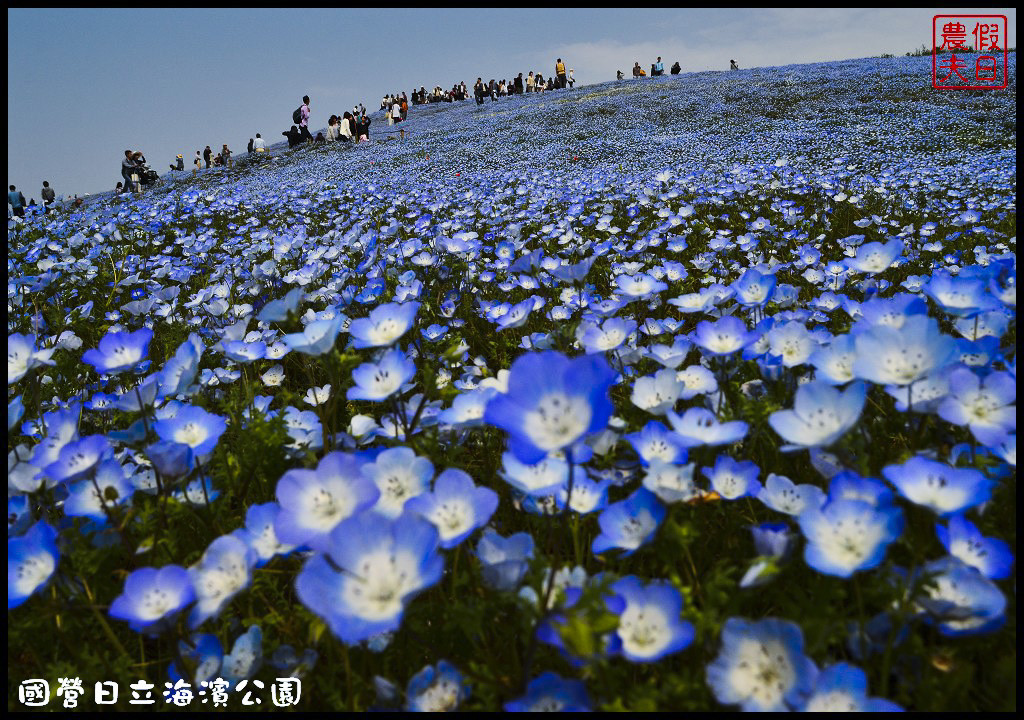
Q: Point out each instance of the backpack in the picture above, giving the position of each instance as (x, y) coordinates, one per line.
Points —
(297, 115)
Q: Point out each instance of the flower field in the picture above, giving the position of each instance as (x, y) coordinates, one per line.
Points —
(686, 393)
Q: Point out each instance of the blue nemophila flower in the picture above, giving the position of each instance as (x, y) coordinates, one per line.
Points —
(552, 402)
(960, 600)
(843, 688)
(119, 351)
(780, 494)
(204, 651)
(22, 356)
(754, 289)
(171, 459)
(875, 257)
(179, 373)
(15, 411)
(792, 343)
(316, 338)
(244, 352)
(224, 570)
(61, 428)
(656, 442)
(384, 326)
(733, 479)
(370, 570)
(537, 479)
(821, 415)
(629, 524)
(192, 426)
(670, 356)
(724, 336)
(31, 560)
(696, 380)
(77, 458)
(84, 500)
(456, 506)
(197, 492)
(606, 336)
(314, 502)
(504, 560)
(245, 658)
(259, 533)
(833, 363)
(549, 692)
(277, 310)
(960, 296)
(514, 316)
(400, 475)
(699, 426)
(151, 596)
(848, 485)
(436, 689)
(657, 394)
(761, 666)
(377, 381)
(468, 408)
(890, 356)
(588, 495)
(986, 406)
(640, 285)
(846, 536)
(650, 626)
(670, 482)
(992, 557)
(935, 485)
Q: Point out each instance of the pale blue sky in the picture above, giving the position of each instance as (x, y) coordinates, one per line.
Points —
(84, 85)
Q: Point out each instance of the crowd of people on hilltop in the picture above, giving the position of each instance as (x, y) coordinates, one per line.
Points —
(351, 126)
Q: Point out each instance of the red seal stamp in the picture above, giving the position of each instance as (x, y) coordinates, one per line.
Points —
(969, 52)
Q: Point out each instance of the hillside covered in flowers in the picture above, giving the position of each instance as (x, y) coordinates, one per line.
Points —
(681, 393)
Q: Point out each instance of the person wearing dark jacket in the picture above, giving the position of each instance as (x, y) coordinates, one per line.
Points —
(48, 196)
(294, 136)
(127, 169)
(179, 163)
(675, 69)
(207, 155)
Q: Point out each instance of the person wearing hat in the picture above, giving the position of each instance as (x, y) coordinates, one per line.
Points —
(179, 163)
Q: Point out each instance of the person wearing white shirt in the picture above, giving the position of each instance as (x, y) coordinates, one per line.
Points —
(259, 144)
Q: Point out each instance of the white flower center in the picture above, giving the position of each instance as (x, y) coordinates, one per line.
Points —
(762, 671)
(557, 421)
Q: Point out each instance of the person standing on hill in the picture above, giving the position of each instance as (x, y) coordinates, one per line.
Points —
(405, 107)
(518, 84)
(572, 80)
(347, 129)
(304, 124)
(207, 156)
(127, 169)
(249, 148)
(659, 68)
(226, 155)
(675, 69)
(478, 91)
(259, 144)
(17, 201)
(48, 196)
(560, 74)
(733, 65)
